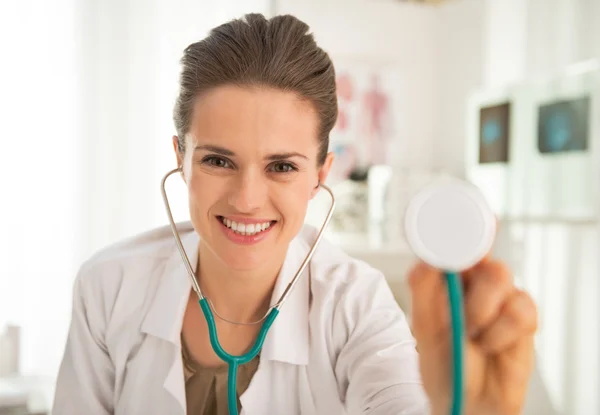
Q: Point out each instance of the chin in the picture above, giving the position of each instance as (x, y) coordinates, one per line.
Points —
(245, 251)
(244, 258)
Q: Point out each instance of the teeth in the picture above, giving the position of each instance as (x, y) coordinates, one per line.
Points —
(245, 229)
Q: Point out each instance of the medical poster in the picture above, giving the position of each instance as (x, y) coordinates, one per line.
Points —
(563, 126)
(366, 131)
(494, 133)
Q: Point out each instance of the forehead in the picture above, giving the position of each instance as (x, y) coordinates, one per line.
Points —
(255, 119)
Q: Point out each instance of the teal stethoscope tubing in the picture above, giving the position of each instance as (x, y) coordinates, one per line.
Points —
(235, 361)
(232, 361)
(455, 297)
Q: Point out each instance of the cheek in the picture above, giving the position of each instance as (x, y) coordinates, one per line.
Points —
(203, 192)
(292, 202)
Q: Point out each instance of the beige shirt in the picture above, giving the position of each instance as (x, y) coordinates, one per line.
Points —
(206, 388)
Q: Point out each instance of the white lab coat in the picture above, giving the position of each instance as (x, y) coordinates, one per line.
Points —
(340, 345)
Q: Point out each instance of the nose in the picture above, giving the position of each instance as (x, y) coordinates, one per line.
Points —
(248, 192)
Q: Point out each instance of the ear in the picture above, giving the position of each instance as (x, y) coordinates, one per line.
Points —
(178, 154)
(176, 150)
(323, 172)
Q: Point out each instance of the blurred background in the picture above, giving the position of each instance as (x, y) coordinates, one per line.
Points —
(504, 93)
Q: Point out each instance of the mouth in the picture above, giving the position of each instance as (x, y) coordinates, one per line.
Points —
(246, 229)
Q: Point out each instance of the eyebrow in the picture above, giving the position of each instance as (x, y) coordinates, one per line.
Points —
(215, 149)
(226, 152)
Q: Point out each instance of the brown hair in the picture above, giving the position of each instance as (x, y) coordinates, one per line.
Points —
(255, 51)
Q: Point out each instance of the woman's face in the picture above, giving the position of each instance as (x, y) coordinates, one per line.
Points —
(251, 168)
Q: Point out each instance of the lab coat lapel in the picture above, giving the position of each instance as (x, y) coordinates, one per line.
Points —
(288, 338)
(165, 316)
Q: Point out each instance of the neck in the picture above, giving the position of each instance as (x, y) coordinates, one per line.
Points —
(240, 296)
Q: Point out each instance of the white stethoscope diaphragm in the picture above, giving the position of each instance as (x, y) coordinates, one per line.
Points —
(449, 225)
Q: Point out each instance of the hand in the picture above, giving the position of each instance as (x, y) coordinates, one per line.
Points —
(499, 349)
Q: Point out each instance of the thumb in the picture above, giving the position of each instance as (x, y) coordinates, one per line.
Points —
(429, 314)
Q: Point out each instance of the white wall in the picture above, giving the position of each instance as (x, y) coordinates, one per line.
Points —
(461, 54)
(39, 144)
(561, 32)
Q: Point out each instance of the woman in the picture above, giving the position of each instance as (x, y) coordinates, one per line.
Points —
(257, 102)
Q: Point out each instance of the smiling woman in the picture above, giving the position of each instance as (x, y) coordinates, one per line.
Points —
(256, 105)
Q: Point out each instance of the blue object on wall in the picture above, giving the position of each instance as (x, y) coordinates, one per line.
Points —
(558, 131)
(492, 131)
(563, 126)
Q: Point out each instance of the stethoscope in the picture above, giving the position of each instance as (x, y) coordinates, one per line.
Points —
(233, 361)
(448, 224)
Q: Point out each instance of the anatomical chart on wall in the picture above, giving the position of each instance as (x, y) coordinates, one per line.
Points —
(494, 133)
(563, 126)
(366, 130)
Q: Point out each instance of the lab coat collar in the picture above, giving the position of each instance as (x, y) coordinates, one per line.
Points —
(288, 338)
(165, 315)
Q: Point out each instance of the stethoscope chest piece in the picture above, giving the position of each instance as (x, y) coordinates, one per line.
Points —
(449, 225)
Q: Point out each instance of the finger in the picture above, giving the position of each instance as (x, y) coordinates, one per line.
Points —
(489, 287)
(516, 363)
(425, 283)
(517, 320)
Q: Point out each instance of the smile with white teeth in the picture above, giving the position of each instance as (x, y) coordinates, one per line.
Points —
(245, 229)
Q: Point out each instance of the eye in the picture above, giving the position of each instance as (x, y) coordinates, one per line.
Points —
(218, 162)
(282, 167)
